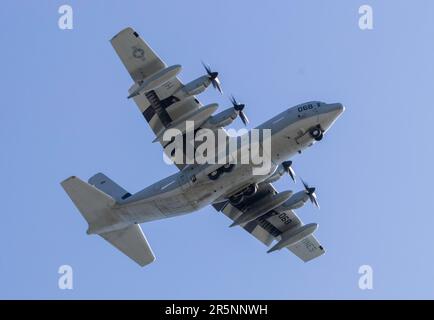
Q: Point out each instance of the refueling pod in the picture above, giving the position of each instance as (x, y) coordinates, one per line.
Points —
(262, 207)
(155, 80)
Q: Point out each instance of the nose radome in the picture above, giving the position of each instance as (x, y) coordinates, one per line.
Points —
(335, 109)
(330, 113)
(338, 107)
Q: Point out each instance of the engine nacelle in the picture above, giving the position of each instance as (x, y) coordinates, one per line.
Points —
(277, 174)
(296, 201)
(196, 86)
(222, 119)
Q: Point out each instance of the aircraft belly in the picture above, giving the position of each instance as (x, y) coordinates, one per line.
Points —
(200, 193)
(175, 205)
(158, 209)
(284, 145)
(142, 212)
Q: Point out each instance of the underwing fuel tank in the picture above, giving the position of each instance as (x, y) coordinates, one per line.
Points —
(293, 236)
(156, 80)
(262, 207)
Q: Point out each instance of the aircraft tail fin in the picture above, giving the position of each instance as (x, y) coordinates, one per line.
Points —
(96, 206)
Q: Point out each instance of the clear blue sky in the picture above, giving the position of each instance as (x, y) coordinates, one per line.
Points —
(64, 112)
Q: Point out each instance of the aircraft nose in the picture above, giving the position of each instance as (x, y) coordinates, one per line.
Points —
(337, 108)
(334, 110)
(330, 113)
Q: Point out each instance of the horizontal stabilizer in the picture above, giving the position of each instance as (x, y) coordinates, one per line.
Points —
(97, 208)
(107, 185)
(132, 242)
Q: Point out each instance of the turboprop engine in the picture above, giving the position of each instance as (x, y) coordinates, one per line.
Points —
(226, 117)
(200, 84)
(284, 168)
(300, 198)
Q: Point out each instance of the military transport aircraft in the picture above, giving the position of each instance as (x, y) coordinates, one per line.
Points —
(249, 200)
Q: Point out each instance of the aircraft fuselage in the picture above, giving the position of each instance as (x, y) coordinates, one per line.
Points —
(292, 131)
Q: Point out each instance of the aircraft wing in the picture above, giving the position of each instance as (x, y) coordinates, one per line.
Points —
(270, 226)
(164, 105)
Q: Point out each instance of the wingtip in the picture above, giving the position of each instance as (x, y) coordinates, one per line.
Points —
(68, 179)
(272, 249)
(124, 30)
(146, 261)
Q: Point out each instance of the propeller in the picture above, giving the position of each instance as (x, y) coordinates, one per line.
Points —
(287, 166)
(239, 107)
(213, 77)
(310, 191)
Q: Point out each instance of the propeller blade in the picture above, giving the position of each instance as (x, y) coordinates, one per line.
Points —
(216, 84)
(239, 107)
(213, 77)
(291, 173)
(314, 200)
(207, 68)
(287, 166)
(304, 184)
(243, 117)
(310, 191)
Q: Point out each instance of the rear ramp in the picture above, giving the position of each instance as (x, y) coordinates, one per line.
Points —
(96, 207)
